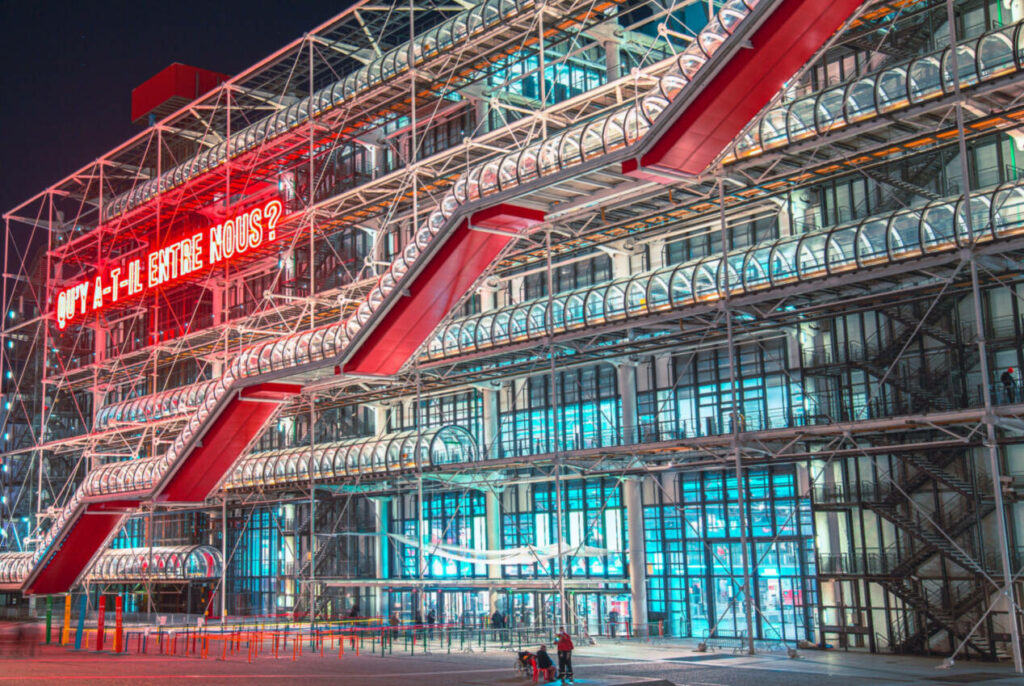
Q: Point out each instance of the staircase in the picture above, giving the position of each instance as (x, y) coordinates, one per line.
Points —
(910, 189)
(933, 618)
(929, 534)
(918, 527)
(921, 380)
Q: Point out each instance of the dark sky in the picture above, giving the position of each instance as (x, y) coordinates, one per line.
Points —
(69, 69)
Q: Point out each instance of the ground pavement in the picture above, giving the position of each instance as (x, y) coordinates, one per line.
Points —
(605, 664)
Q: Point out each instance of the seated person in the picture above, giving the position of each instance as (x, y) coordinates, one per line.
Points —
(544, 664)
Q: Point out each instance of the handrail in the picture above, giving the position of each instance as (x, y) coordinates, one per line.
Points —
(898, 87)
(159, 563)
(938, 227)
(386, 453)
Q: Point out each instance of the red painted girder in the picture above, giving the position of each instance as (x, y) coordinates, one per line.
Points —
(79, 545)
(787, 39)
(224, 441)
(455, 267)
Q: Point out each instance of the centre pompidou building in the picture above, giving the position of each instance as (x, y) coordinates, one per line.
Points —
(701, 315)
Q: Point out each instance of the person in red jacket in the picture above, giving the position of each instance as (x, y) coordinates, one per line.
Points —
(565, 647)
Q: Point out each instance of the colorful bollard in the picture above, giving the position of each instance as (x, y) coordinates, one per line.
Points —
(65, 634)
(101, 610)
(80, 633)
(118, 637)
(49, 617)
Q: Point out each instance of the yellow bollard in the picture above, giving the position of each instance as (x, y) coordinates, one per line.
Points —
(65, 634)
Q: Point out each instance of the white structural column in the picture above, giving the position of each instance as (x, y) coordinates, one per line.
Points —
(492, 424)
(627, 393)
(492, 504)
(631, 496)
(381, 549)
(380, 418)
(611, 57)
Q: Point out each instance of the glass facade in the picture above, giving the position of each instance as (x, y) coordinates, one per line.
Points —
(592, 515)
(695, 556)
(455, 519)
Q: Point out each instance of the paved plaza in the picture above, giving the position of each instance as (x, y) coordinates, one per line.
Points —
(607, 664)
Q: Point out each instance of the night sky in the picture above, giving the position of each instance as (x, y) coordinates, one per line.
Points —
(69, 69)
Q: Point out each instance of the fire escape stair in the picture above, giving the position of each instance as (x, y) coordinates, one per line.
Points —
(934, 618)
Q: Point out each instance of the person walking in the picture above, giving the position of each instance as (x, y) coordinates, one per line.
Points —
(613, 622)
(565, 646)
(394, 622)
(1009, 385)
(431, 621)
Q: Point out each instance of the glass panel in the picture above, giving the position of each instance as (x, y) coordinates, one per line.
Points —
(755, 270)
(595, 306)
(801, 119)
(773, 128)
(841, 253)
(729, 274)
(965, 64)
(636, 301)
(705, 280)
(860, 100)
(537, 320)
(938, 226)
(574, 311)
(783, 261)
(483, 330)
(548, 158)
(680, 286)
(467, 336)
(615, 300)
(995, 55)
(1008, 209)
(871, 241)
(811, 255)
(905, 233)
(830, 110)
(518, 323)
(657, 292)
(892, 89)
(500, 330)
(980, 219)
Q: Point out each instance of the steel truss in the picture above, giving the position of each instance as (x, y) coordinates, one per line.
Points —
(312, 280)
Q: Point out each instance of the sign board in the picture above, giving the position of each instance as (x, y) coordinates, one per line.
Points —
(199, 250)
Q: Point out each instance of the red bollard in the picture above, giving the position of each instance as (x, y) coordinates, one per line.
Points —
(118, 635)
(99, 622)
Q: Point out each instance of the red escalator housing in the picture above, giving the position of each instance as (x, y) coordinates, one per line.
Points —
(223, 443)
(789, 37)
(456, 266)
(78, 547)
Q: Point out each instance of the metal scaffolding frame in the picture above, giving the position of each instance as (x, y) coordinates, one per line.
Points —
(104, 401)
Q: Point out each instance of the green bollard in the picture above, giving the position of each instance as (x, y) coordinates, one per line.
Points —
(49, 617)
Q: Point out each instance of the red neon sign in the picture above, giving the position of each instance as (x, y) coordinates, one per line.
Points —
(213, 245)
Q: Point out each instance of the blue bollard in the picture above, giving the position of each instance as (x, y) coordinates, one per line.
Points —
(81, 622)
